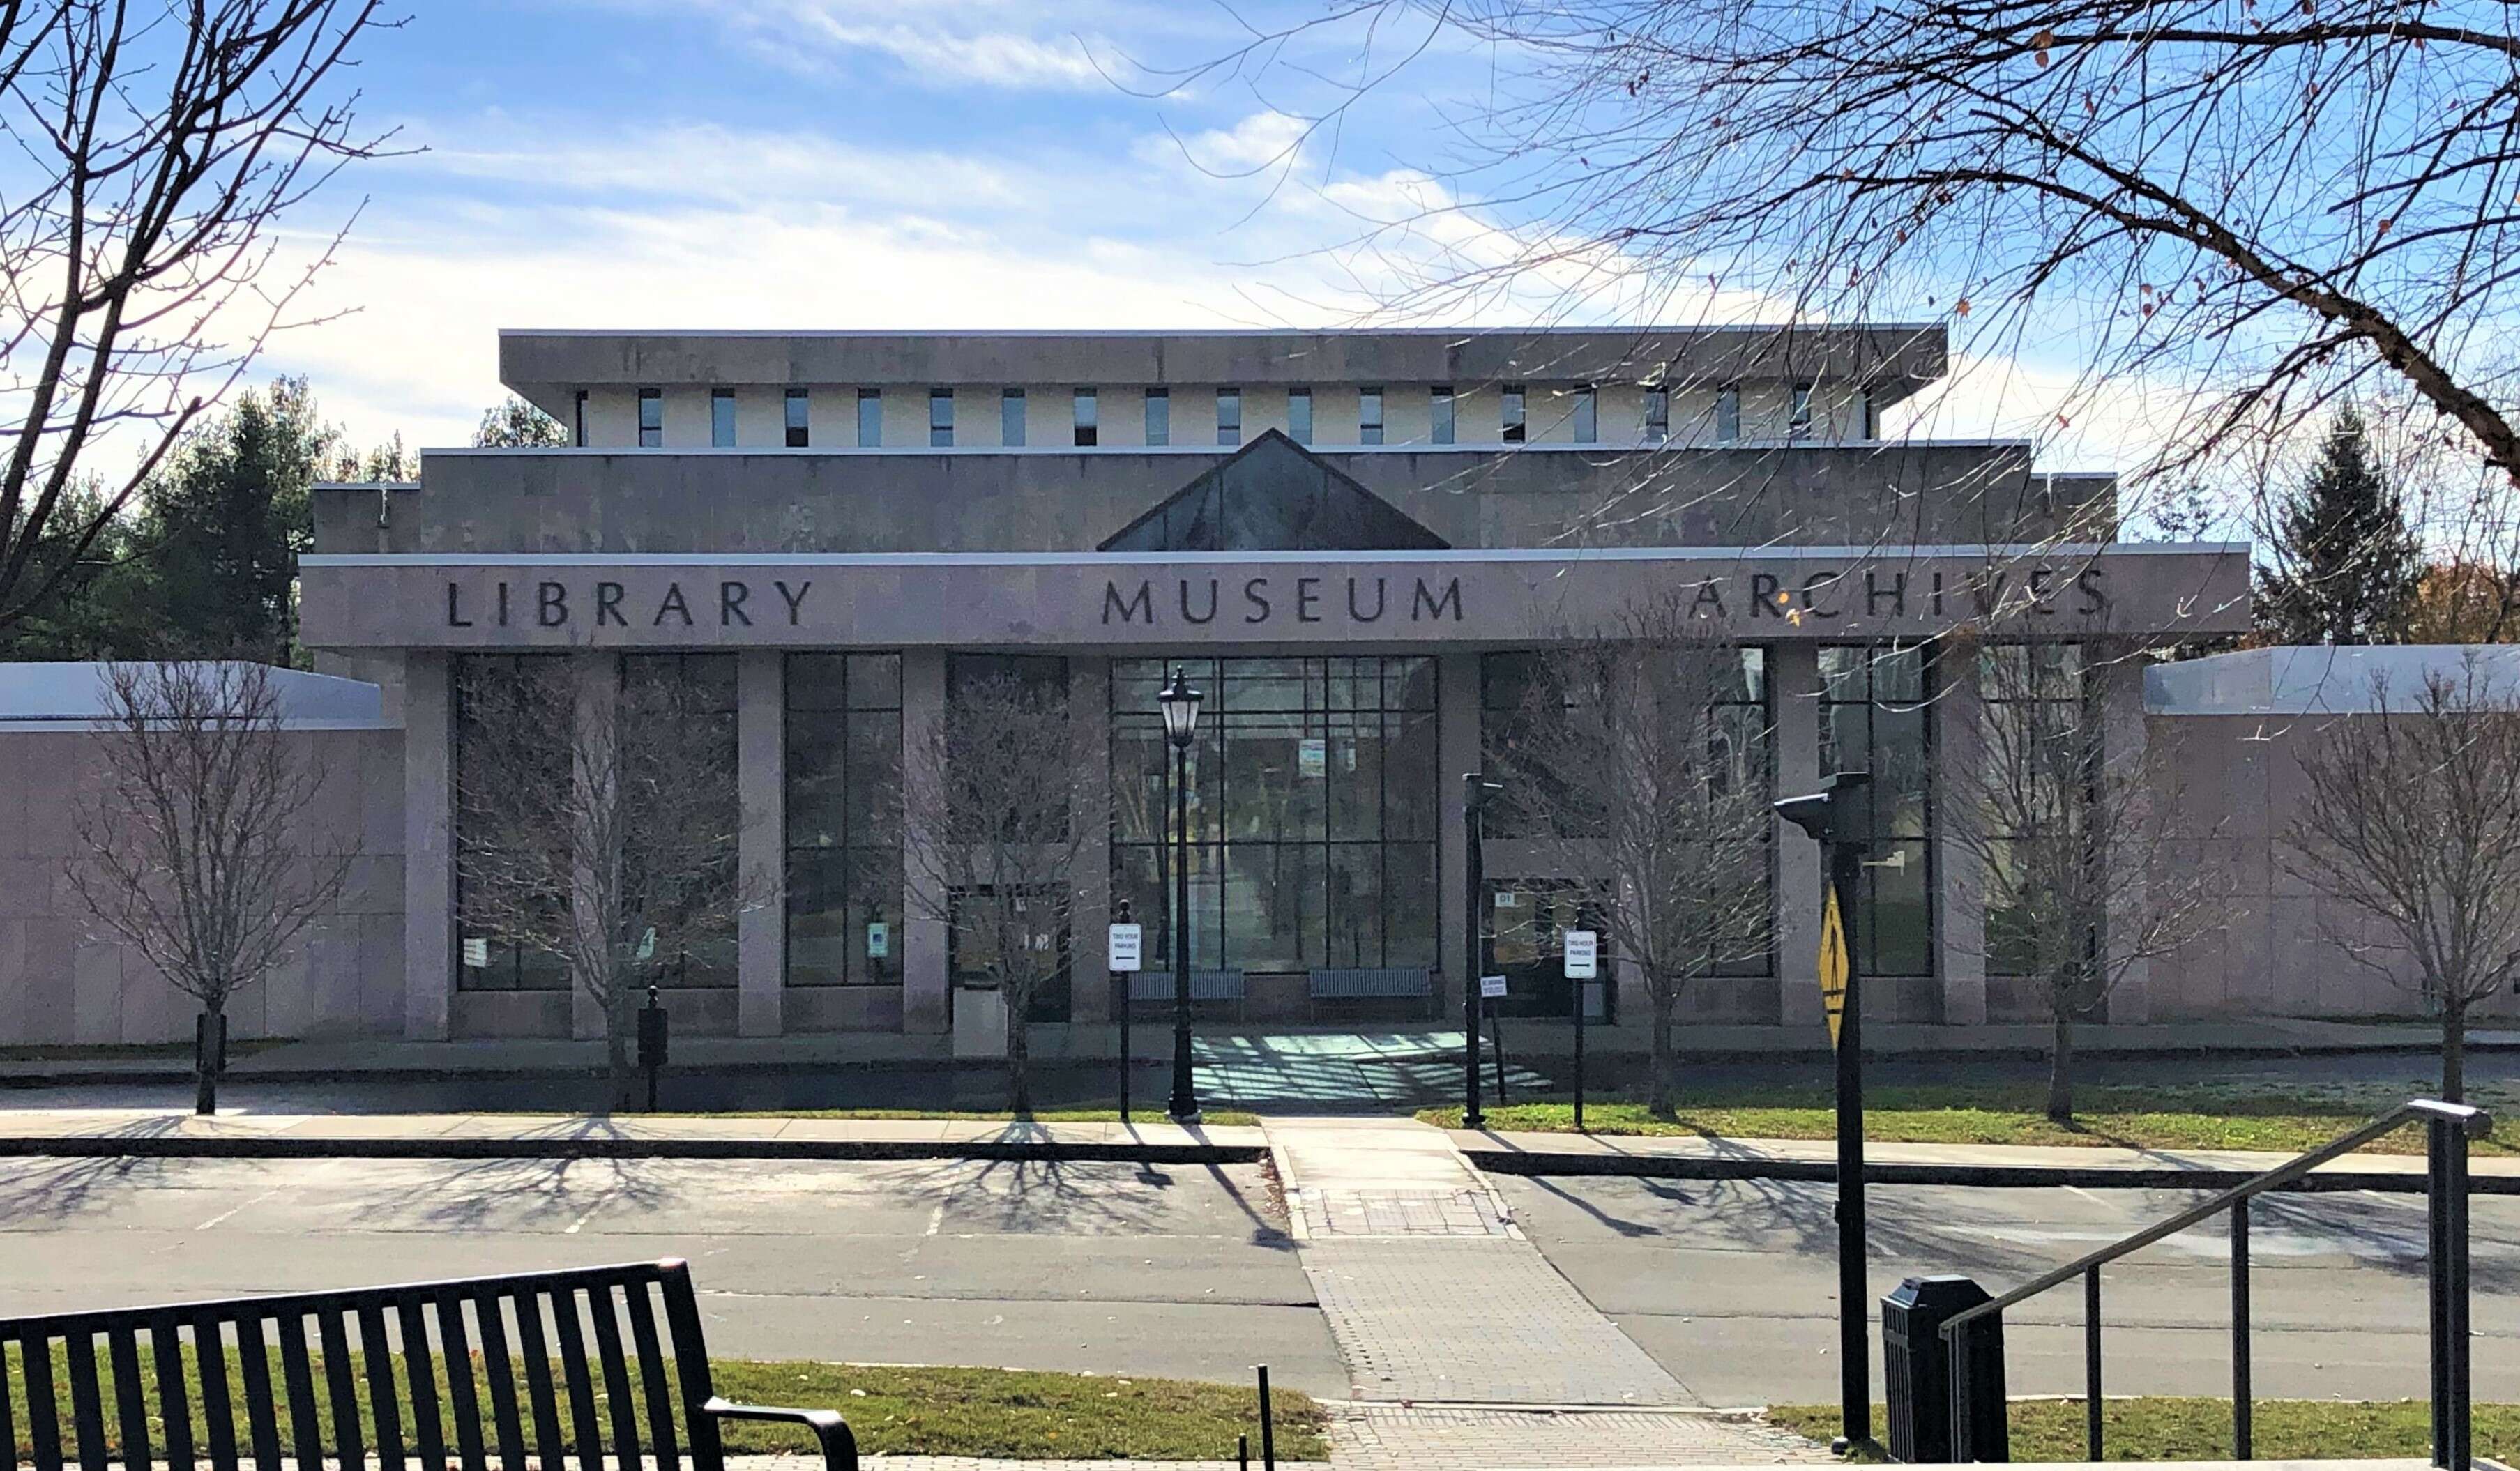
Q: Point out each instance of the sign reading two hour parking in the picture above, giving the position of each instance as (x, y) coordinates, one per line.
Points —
(1583, 951)
(1833, 966)
(1128, 946)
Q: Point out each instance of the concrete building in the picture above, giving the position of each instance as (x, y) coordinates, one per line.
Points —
(1357, 543)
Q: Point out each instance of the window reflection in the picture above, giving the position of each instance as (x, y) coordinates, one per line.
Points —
(1874, 718)
(843, 810)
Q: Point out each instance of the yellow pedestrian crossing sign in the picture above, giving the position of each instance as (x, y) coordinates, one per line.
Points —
(1832, 964)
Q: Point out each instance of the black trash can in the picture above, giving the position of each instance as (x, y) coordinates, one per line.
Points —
(1917, 1370)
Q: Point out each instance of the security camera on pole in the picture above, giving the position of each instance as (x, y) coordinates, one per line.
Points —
(1840, 819)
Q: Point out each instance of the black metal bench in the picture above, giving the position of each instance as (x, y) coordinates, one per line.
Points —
(1371, 984)
(471, 1364)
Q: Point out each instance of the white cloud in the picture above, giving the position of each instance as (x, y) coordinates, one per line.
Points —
(996, 43)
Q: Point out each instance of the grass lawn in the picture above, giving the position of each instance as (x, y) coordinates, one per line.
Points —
(2203, 1116)
(2166, 1429)
(894, 1411)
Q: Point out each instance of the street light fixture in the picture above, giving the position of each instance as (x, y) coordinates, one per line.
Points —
(1179, 704)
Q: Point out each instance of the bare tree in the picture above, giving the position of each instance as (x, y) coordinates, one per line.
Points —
(1639, 769)
(597, 822)
(2413, 824)
(160, 144)
(997, 853)
(2068, 834)
(197, 832)
(2222, 214)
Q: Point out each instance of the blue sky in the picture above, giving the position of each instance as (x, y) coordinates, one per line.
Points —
(869, 163)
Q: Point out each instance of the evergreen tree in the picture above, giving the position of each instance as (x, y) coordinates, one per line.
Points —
(223, 526)
(2346, 562)
(519, 425)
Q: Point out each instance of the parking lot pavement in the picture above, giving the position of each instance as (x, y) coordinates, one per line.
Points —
(1732, 1286)
(1171, 1269)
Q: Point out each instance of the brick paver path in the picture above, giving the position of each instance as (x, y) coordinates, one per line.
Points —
(1447, 1320)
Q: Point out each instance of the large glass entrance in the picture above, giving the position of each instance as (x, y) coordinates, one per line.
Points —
(1312, 812)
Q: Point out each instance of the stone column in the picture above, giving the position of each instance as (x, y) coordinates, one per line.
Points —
(1793, 673)
(761, 786)
(595, 678)
(1960, 882)
(2117, 674)
(1089, 714)
(925, 1006)
(1456, 746)
(428, 846)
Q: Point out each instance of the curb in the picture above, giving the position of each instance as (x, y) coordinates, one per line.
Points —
(2017, 1176)
(166, 1146)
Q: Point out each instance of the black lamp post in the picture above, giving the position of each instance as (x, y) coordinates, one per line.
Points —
(1179, 704)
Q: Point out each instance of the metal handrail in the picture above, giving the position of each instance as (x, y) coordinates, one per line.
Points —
(2447, 1127)
(2473, 1121)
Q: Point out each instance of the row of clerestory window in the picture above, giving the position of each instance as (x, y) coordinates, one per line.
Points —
(1086, 424)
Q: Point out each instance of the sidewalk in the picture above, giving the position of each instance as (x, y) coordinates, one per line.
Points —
(1698, 1157)
(502, 1135)
(1260, 1048)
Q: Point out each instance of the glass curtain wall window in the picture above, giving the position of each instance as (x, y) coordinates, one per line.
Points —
(1011, 418)
(1229, 416)
(870, 417)
(1874, 718)
(940, 418)
(1089, 419)
(800, 431)
(721, 418)
(1299, 414)
(1159, 417)
(1440, 429)
(843, 818)
(1510, 421)
(1312, 812)
(2042, 749)
(698, 689)
(487, 959)
(1369, 416)
(652, 418)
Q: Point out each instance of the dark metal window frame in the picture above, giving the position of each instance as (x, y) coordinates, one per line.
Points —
(651, 425)
(940, 418)
(1369, 416)
(1922, 843)
(855, 851)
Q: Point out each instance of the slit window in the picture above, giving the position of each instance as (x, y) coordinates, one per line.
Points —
(1160, 415)
(1369, 416)
(1089, 419)
(1011, 418)
(1229, 416)
(1509, 415)
(577, 428)
(1299, 414)
(652, 418)
(940, 418)
(1439, 414)
(1799, 424)
(870, 417)
(1727, 413)
(721, 418)
(1657, 414)
(799, 433)
(1587, 415)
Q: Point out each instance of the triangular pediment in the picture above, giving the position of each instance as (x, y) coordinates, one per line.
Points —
(1274, 495)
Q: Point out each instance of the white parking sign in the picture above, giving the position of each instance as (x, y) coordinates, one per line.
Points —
(1127, 946)
(1582, 955)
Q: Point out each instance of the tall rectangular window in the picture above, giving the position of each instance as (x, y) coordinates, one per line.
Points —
(870, 417)
(721, 418)
(1011, 418)
(1727, 413)
(1439, 414)
(514, 724)
(1657, 414)
(1229, 416)
(1369, 416)
(1587, 415)
(1874, 718)
(1510, 415)
(1160, 415)
(1299, 414)
(652, 418)
(1089, 419)
(1798, 424)
(2035, 777)
(800, 432)
(1867, 420)
(940, 418)
(843, 819)
(577, 428)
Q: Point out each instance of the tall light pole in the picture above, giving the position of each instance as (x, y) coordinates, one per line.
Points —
(1839, 818)
(1179, 704)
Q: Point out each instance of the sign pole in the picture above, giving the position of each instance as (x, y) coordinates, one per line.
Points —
(1854, 1292)
(1579, 959)
(1475, 788)
(1579, 987)
(1838, 817)
(1124, 948)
